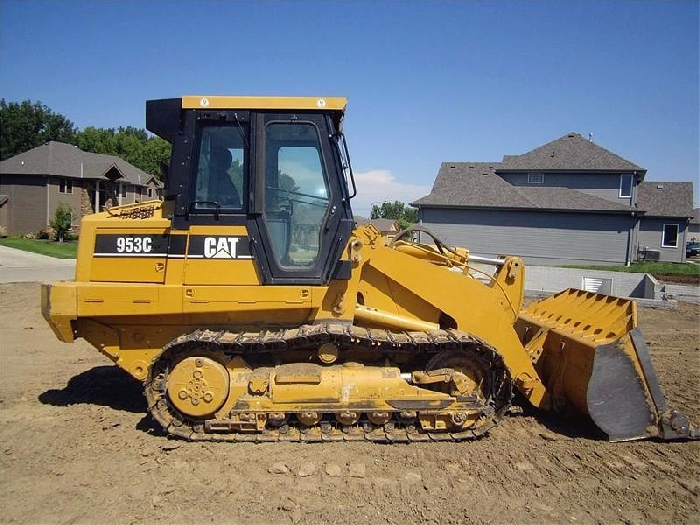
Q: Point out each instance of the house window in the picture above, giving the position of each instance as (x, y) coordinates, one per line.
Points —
(65, 186)
(670, 236)
(535, 178)
(149, 192)
(123, 190)
(625, 185)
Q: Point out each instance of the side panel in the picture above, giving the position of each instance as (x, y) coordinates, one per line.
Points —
(219, 255)
(130, 255)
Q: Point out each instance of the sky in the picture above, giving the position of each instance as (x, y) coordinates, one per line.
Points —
(427, 82)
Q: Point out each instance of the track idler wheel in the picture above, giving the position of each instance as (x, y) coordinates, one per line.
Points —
(197, 386)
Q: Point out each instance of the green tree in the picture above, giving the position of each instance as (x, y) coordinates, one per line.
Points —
(62, 221)
(404, 215)
(129, 143)
(26, 125)
(155, 152)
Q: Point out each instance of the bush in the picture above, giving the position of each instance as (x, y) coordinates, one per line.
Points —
(62, 221)
(3, 232)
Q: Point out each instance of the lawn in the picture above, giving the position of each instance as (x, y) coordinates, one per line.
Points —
(58, 250)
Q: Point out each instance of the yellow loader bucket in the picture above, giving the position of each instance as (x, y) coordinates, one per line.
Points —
(592, 357)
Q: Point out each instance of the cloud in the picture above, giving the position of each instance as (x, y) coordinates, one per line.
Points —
(378, 186)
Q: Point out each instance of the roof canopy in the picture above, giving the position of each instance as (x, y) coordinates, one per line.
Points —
(57, 158)
(224, 102)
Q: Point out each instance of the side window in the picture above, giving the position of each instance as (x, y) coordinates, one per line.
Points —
(669, 239)
(625, 185)
(296, 193)
(221, 168)
(535, 178)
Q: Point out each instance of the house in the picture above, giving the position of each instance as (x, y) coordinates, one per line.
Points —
(387, 227)
(155, 189)
(668, 210)
(569, 201)
(36, 181)
(694, 226)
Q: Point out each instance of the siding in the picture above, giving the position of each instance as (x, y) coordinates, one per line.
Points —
(650, 235)
(540, 238)
(56, 197)
(26, 206)
(603, 185)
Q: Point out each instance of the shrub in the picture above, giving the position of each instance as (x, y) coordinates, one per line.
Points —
(62, 221)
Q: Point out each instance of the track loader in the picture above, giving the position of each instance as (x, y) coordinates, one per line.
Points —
(253, 308)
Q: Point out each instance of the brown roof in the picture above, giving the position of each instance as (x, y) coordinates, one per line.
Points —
(57, 158)
(571, 152)
(666, 199)
(477, 185)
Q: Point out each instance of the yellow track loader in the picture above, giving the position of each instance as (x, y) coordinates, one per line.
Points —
(253, 308)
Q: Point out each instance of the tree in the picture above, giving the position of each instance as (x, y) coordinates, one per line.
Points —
(155, 152)
(129, 143)
(26, 125)
(398, 211)
(62, 221)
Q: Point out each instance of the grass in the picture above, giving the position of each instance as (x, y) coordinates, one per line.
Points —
(58, 250)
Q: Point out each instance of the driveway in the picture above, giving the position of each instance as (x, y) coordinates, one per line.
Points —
(18, 266)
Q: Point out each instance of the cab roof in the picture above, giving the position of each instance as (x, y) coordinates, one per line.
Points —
(300, 103)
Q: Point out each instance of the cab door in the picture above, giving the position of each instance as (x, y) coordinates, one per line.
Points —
(302, 218)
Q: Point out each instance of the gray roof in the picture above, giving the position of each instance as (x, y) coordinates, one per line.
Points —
(477, 185)
(666, 199)
(571, 152)
(57, 158)
(696, 216)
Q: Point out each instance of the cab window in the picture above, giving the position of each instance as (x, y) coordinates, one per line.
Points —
(221, 169)
(296, 192)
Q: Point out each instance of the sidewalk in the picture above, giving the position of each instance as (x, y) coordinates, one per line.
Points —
(19, 266)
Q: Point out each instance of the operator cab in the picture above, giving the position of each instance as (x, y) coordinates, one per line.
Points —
(279, 166)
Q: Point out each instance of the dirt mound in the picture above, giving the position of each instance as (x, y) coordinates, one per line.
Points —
(78, 447)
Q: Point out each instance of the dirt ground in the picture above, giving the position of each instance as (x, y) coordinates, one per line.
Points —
(77, 447)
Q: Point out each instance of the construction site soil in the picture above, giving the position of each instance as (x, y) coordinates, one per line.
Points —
(77, 447)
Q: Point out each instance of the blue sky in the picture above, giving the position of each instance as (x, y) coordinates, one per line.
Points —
(427, 81)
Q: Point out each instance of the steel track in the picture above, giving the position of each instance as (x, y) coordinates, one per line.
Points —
(266, 344)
